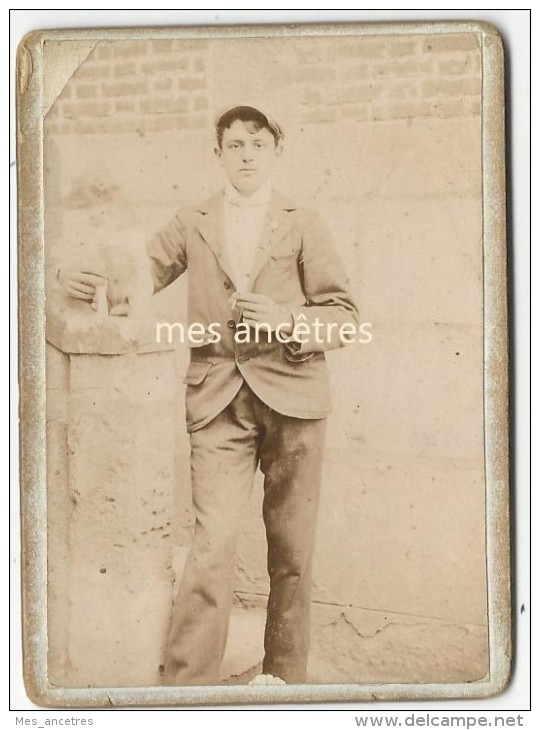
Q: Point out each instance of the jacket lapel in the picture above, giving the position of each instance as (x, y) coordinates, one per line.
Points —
(276, 225)
(210, 227)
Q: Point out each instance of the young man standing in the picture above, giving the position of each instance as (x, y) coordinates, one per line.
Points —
(261, 271)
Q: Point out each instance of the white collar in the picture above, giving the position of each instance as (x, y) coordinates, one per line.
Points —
(259, 198)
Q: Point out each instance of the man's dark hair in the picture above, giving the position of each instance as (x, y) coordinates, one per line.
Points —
(247, 114)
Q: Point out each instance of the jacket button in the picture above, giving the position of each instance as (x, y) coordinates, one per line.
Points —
(227, 285)
(231, 323)
(242, 359)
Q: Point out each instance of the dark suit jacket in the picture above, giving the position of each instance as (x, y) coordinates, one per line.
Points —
(295, 265)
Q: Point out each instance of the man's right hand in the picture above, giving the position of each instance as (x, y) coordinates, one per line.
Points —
(81, 284)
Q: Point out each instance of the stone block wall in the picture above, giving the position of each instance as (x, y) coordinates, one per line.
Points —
(112, 429)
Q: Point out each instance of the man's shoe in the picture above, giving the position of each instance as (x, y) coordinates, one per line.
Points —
(265, 679)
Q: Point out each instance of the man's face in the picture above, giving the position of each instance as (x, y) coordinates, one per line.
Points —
(247, 155)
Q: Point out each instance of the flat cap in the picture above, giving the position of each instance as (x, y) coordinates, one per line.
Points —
(271, 122)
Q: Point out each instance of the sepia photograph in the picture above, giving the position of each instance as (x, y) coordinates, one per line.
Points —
(266, 301)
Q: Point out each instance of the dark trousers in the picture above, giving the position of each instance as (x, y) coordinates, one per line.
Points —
(224, 456)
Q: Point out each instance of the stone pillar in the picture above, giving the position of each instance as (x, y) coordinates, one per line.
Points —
(112, 446)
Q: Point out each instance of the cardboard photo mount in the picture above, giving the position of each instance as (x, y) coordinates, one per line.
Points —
(38, 85)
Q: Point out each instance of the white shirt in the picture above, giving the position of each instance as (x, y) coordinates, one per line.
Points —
(244, 219)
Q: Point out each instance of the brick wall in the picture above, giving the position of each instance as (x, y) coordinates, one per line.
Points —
(149, 86)
(135, 86)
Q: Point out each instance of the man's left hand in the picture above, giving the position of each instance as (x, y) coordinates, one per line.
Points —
(258, 308)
